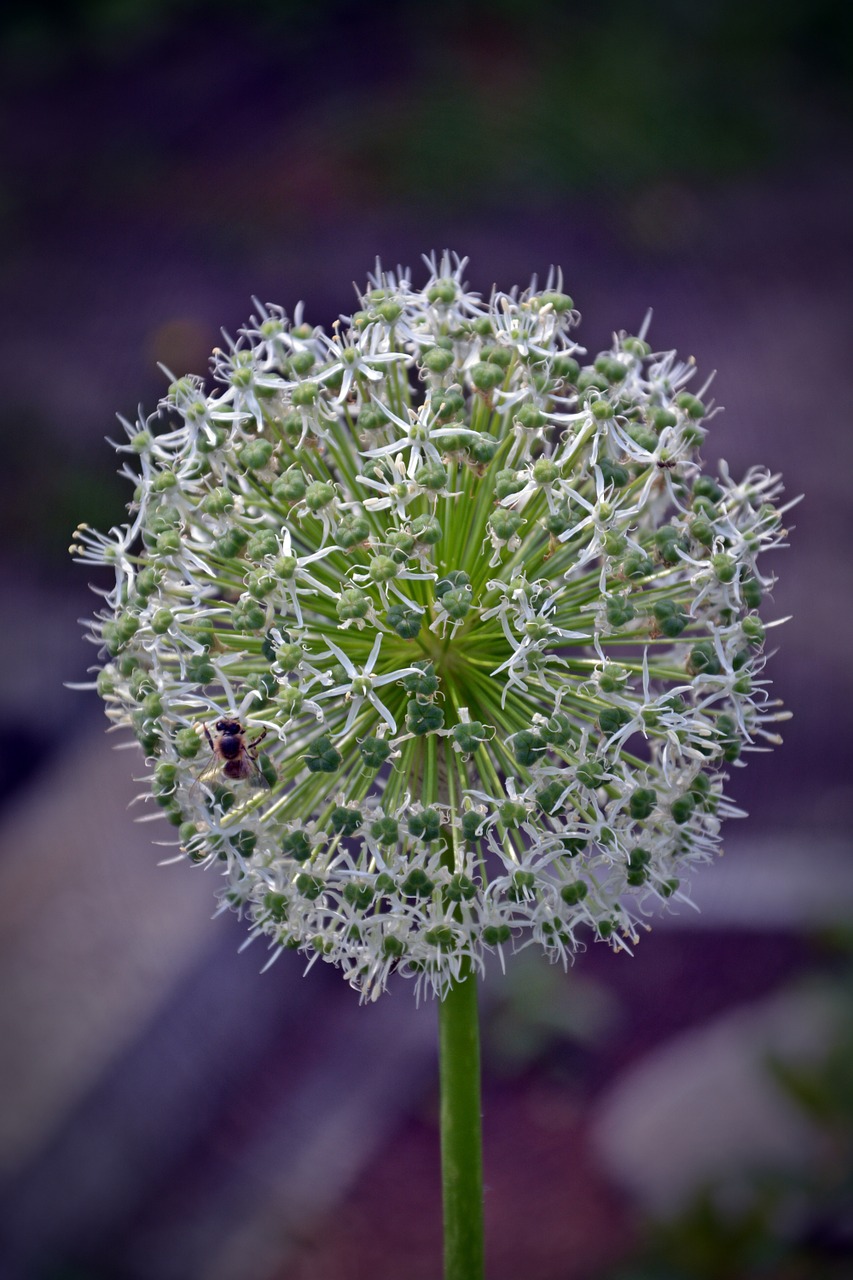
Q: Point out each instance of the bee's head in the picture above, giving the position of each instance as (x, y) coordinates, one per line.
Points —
(229, 726)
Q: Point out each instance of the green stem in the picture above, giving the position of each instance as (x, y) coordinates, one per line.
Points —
(461, 1131)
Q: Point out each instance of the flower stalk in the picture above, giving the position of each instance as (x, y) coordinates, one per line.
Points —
(461, 1130)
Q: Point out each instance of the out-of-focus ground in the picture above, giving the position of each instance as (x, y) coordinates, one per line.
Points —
(164, 1110)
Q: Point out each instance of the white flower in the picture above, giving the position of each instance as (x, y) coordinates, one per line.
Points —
(437, 642)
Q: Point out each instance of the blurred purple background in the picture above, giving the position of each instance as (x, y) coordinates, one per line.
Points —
(166, 1112)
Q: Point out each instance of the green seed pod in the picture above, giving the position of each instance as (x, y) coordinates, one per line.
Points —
(417, 884)
(527, 746)
(345, 821)
(483, 449)
(508, 482)
(471, 823)
(374, 752)
(642, 802)
(505, 524)
(423, 717)
(322, 756)
(693, 407)
(437, 360)
(385, 831)
(290, 487)
(352, 529)
(425, 825)
(405, 621)
(383, 569)
(254, 455)
(352, 603)
(296, 845)
(318, 495)
(432, 475)
(469, 736)
(426, 530)
(485, 376)
(423, 681)
(460, 889)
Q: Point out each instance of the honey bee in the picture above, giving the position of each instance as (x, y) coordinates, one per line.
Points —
(233, 757)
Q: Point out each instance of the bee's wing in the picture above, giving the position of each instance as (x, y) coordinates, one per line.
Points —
(254, 774)
(208, 775)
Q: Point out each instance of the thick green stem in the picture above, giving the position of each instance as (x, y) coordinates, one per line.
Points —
(461, 1131)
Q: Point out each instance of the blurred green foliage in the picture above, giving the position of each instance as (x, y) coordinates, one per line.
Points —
(523, 97)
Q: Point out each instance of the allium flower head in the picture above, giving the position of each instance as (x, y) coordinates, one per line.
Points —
(436, 639)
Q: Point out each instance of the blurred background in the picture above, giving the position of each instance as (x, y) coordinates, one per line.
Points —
(165, 1112)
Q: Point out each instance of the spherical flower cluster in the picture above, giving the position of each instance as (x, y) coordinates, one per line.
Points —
(436, 640)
